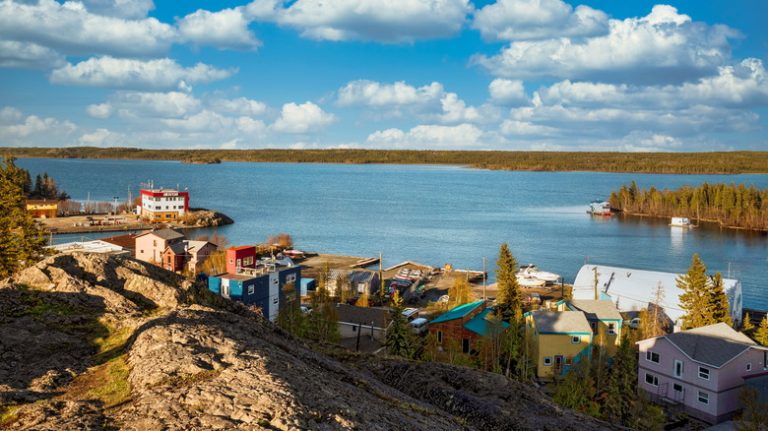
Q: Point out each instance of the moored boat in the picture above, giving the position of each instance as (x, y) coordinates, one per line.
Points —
(680, 222)
(600, 208)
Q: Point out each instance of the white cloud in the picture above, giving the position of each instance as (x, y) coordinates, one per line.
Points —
(28, 55)
(428, 136)
(538, 19)
(456, 110)
(663, 46)
(130, 73)
(513, 127)
(101, 137)
(17, 130)
(69, 28)
(507, 92)
(100, 110)
(241, 105)
(226, 28)
(135, 104)
(376, 94)
(303, 118)
(393, 21)
(131, 9)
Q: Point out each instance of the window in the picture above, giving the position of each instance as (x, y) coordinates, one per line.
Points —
(703, 397)
(290, 278)
(704, 373)
(611, 329)
(276, 300)
(440, 337)
(652, 356)
(354, 328)
(547, 360)
(677, 387)
(575, 339)
(678, 368)
(465, 345)
(251, 289)
(749, 366)
(154, 243)
(651, 379)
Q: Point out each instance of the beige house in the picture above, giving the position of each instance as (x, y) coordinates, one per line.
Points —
(151, 245)
(197, 253)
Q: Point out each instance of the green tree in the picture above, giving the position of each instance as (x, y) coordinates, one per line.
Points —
(460, 293)
(21, 240)
(577, 390)
(755, 415)
(696, 298)
(761, 335)
(509, 299)
(290, 317)
(399, 338)
(719, 301)
(323, 321)
(362, 300)
(747, 326)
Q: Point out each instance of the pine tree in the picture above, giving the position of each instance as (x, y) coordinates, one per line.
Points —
(21, 240)
(747, 326)
(696, 299)
(290, 317)
(399, 338)
(362, 301)
(509, 300)
(761, 335)
(323, 321)
(577, 390)
(719, 300)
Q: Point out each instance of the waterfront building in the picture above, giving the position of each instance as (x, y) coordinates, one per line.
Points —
(163, 205)
(633, 289)
(702, 370)
(241, 257)
(561, 339)
(42, 208)
(465, 324)
(150, 245)
(359, 281)
(370, 322)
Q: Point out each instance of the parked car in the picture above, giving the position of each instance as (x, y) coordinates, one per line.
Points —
(410, 313)
(419, 325)
(634, 323)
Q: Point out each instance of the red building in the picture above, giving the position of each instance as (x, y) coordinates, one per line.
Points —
(174, 256)
(465, 324)
(241, 257)
(159, 205)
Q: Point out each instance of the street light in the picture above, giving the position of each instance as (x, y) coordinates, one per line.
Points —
(114, 205)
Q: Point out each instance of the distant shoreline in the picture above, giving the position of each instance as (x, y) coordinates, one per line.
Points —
(712, 163)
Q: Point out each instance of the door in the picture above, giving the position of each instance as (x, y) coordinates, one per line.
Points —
(558, 363)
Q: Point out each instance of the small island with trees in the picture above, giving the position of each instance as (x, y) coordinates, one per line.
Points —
(729, 205)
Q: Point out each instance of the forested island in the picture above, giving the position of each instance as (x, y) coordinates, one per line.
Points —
(729, 205)
(671, 163)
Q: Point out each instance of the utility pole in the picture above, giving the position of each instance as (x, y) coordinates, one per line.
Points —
(485, 277)
(594, 269)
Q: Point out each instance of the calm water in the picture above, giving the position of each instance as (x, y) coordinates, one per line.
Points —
(435, 214)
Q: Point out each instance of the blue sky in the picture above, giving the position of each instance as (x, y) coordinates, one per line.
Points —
(602, 75)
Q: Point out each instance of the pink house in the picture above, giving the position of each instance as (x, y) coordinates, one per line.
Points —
(701, 369)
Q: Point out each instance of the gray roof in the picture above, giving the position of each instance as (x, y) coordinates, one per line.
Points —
(365, 315)
(165, 233)
(712, 345)
(597, 309)
(561, 322)
(361, 276)
(177, 248)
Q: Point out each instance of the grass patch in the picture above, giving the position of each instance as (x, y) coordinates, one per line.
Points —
(114, 388)
(112, 344)
(8, 414)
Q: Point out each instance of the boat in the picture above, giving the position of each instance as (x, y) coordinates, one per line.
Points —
(600, 208)
(530, 282)
(531, 271)
(681, 222)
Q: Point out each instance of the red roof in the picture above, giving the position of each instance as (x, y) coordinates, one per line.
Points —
(242, 247)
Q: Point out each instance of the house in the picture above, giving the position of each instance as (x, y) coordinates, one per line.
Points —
(371, 322)
(241, 257)
(151, 245)
(42, 208)
(561, 339)
(604, 319)
(126, 242)
(174, 256)
(701, 369)
(307, 285)
(265, 286)
(633, 289)
(360, 281)
(465, 324)
(95, 246)
(197, 253)
(163, 205)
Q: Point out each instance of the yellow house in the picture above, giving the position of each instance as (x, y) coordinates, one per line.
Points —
(605, 321)
(42, 208)
(560, 338)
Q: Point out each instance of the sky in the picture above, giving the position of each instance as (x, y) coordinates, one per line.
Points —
(591, 75)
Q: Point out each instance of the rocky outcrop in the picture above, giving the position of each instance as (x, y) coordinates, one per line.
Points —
(201, 217)
(102, 342)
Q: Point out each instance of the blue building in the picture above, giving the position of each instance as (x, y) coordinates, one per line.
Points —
(264, 289)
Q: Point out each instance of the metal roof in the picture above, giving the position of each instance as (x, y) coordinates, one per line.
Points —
(600, 309)
(459, 312)
(561, 322)
(363, 315)
(482, 325)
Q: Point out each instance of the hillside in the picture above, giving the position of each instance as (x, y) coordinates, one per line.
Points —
(95, 342)
(734, 162)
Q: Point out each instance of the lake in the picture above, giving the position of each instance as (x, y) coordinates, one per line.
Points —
(435, 214)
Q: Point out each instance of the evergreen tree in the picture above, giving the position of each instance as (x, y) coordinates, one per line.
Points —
(290, 317)
(509, 299)
(577, 390)
(696, 299)
(761, 335)
(755, 414)
(747, 326)
(460, 293)
(399, 338)
(719, 301)
(21, 240)
(323, 321)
